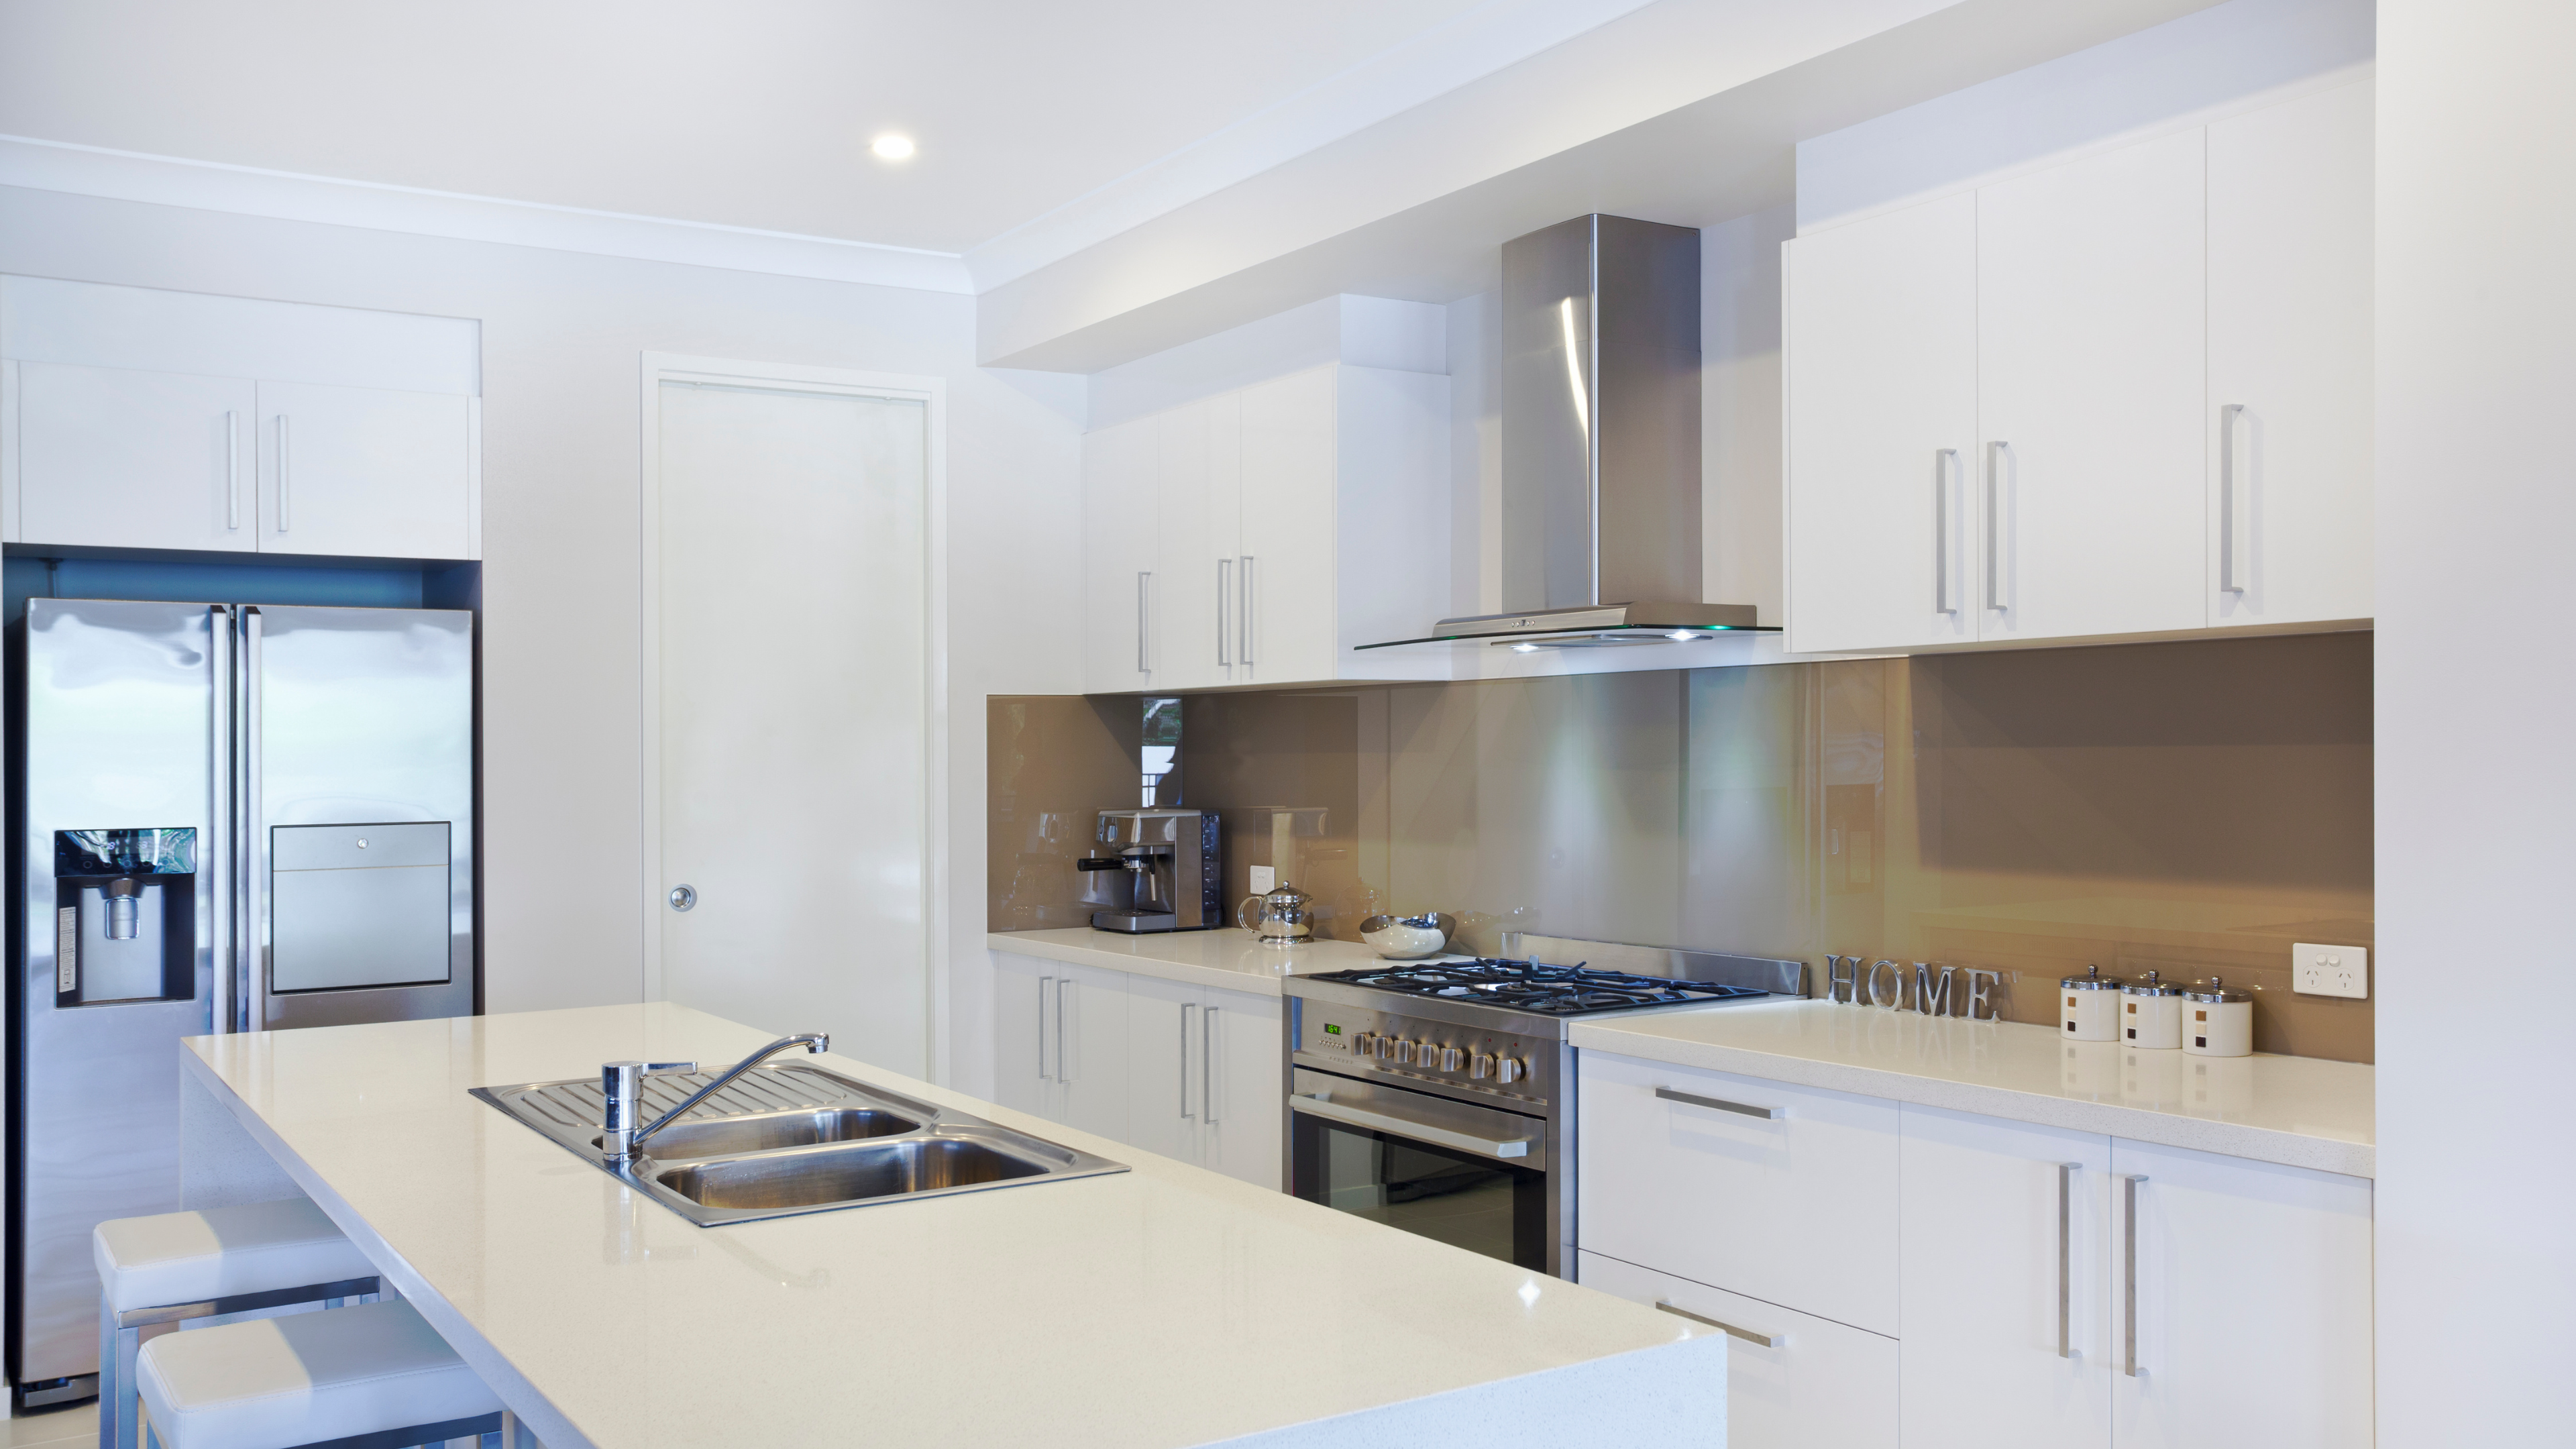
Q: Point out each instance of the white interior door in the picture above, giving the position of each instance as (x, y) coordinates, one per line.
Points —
(793, 740)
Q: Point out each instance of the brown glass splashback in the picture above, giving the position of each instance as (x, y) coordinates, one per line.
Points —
(2191, 808)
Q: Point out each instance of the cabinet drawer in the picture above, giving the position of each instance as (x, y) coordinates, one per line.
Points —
(1817, 1385)
(1792, 1209)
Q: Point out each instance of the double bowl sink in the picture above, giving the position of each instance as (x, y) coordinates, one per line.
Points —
(788, 1139)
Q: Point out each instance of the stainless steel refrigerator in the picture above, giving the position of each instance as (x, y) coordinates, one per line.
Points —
(228, 818)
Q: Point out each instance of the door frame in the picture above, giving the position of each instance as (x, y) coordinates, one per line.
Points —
(932, 392)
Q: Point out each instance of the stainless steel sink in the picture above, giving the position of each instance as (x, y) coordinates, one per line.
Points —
(794, 1139)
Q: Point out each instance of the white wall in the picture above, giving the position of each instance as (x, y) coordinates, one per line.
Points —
(562, 336)
(2476, 685)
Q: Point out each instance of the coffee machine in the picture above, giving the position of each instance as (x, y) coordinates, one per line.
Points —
(1156, 870)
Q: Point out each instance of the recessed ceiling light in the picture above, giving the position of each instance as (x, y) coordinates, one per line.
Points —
(892, 147)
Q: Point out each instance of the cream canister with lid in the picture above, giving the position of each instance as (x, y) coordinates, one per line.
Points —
(2089, 1006)
(2217, 1021)
(2151, 1014)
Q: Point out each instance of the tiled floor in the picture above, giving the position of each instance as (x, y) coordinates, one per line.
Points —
(63, 1426)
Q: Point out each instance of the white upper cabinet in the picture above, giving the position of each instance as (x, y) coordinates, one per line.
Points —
(1258, 536)
(1882, 384)
(2164, 351)
(360, 472)
(137, 418)
(1121, 525)
(120, 458)
(2288, 419)
(2090, 375)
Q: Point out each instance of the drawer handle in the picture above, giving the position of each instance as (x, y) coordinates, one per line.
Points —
(1767, 1340)
(1771, 1114)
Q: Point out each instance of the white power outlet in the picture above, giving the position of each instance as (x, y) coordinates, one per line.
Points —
(2330, 970)
(1265, 879)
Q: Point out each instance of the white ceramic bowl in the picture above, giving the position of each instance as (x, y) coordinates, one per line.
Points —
(1408, 938)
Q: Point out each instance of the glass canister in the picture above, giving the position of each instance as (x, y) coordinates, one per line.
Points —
(2089, 1006)
(2216, 1021)
(2151, 1014)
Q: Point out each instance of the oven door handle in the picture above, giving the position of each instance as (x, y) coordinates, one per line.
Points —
(1317, 1106)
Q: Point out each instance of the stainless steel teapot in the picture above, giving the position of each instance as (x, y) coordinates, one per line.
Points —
(1284, 917)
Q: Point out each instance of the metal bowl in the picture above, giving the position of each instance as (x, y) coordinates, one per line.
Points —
(1409, 938)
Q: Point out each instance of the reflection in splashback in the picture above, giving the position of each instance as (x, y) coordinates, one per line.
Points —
(2190, 808)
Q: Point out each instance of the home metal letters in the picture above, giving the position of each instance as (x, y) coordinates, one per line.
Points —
(1846, 980)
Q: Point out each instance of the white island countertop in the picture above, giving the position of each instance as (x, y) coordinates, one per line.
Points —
(1231, 959)
(1166, 1305)
(2297, 1111)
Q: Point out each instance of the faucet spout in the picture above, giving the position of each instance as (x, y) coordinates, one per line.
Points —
(616, 1147)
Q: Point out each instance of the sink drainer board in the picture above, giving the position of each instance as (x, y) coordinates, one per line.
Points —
(793, 1139)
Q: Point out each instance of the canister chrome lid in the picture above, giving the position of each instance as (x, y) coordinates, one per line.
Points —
(2152, 986)
(2091, 980)
(2215, 990)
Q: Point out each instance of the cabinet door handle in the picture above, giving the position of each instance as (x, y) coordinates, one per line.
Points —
(232, 468)
(1207, 1066)
(1767, 1340)
(1998, 578)
(2129, 1274)
(1064, 1001)
(1142, 576)
(2066, 1258)
(1772, 1114)
(1186, 1009)
(1224, 586)
(1246, 610)
(2236, 514)
(1046, 988)
(281, 472)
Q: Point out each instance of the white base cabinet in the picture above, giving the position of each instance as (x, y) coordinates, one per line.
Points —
(1185, 1071)
(1960, 1280)
(1792, 1381)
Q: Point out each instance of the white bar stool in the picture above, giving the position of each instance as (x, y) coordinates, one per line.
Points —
(170, 1267)
(373, 1376)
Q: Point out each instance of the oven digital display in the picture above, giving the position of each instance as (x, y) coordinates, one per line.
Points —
(1331, 1030)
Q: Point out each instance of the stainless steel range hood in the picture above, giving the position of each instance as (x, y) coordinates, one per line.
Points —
(1601, 444)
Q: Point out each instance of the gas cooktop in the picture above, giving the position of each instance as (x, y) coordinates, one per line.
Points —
(1530, 987)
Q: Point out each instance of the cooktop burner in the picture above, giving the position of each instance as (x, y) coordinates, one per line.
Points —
(1529, 986)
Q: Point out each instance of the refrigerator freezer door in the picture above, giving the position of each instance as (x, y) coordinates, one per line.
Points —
(360, 720)
(121, 703)
(358, 905)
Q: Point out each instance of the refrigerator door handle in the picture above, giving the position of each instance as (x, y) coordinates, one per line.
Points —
(217, 871)
(254, 923)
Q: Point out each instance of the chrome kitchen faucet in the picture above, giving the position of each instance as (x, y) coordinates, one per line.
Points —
(621, 1084)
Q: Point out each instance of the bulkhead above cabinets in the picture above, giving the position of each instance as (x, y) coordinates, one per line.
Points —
(133, 418)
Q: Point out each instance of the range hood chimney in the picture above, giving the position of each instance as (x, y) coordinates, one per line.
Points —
(1601, 443)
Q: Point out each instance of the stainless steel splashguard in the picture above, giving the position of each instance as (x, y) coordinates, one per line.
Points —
(779, 1141)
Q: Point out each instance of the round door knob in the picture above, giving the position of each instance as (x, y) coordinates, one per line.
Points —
(1511, 1069)
(683, 897)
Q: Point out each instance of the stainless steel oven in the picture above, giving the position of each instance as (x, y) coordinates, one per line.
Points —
(1438, 1096)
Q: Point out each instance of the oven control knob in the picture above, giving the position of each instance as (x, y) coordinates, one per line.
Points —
(1450, 1057)
(1481, 1065)
(1511, 1069)
(1364, 1043)
(1404, 1053)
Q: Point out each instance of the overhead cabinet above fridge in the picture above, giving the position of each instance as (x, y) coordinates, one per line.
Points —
(2124, 396)
(1259, 536)
(132, 418)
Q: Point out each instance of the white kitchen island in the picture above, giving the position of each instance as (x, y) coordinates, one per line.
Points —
(1166, 1305)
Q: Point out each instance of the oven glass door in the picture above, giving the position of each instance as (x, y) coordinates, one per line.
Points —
(1462, 1197)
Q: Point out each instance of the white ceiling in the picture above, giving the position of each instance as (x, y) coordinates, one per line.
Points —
(746, 113)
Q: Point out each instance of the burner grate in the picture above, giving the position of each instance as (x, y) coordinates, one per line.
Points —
(1532, 987)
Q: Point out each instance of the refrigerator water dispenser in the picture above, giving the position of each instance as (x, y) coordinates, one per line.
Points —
(358, 905)
(125, 916)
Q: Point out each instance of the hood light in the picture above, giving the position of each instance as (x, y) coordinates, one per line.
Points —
(1681, 636)
(1524, 649)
